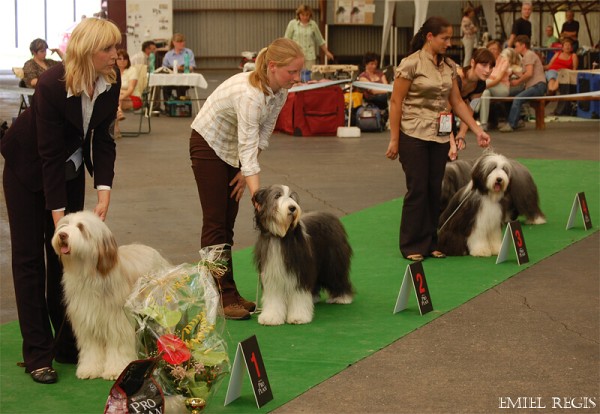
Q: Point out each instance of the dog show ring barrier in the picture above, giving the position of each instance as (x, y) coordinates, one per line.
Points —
(539, 103)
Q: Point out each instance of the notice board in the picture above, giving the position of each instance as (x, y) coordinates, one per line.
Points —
(148, 20)
(354, 11)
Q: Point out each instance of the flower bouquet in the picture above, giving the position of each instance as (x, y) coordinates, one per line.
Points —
(179, 321)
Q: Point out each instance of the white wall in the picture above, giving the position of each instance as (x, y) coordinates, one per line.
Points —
(46, 19)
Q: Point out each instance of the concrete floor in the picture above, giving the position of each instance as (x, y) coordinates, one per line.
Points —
(535, 335)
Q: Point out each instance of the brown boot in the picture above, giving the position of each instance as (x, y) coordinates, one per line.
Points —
(236, 311)
(246, 304)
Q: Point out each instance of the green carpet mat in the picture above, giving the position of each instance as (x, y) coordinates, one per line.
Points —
(300, 357)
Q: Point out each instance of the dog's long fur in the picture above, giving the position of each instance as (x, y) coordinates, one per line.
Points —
(522, 196)
(98, 277)
(472, 222)
(297, 255)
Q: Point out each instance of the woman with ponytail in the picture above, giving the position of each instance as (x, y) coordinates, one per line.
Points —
(232, 128)
(420, 122)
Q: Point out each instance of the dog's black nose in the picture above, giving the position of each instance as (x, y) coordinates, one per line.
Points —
(292, 209)
(499, 180)
(63, 236)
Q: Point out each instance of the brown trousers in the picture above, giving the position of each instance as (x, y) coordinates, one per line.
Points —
(219, 210)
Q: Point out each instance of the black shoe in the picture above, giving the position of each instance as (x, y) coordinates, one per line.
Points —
(45, 375)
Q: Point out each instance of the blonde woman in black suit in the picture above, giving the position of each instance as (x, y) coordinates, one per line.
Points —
(46, 150)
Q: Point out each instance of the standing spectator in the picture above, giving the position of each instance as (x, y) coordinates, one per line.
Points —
(141, 57)
(229, 132)
(34, 67)
(565, 59)
(45, 150)
(550, 38)
(420, 132)
(532, 77)
(305, 31)
(468, 32)
(373, 74)
(521, 26)
(570, 29)
(177, 53)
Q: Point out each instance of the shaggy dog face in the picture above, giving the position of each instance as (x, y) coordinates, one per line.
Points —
(84, 235)
(280, 210)
(491, 174)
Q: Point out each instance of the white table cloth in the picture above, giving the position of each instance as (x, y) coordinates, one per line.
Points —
(192, 80)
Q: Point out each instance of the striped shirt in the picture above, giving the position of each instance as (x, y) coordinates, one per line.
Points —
(238, 119)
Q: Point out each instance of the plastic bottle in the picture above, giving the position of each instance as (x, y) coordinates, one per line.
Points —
(186, 63)
(175, 66)
(151, 62)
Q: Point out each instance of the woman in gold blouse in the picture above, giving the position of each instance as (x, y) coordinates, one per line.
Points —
(420, 123)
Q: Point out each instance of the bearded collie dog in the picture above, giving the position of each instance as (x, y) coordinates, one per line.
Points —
(522, 196)
(297, 255)
(472, 221)
(98, 277)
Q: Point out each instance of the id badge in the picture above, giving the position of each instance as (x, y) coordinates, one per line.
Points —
(445, 123)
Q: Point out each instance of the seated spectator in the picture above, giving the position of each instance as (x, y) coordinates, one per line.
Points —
(498, 84)
(141, 57)
(34, 67)
(550, 38)
(565, 59)
(471, 84)
(373, 74)
(177, 53)
(128, 99)
(532, 78)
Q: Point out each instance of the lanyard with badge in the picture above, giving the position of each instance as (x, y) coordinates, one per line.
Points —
(444, 123)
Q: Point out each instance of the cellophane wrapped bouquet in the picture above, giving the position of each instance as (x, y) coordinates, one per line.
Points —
(179, 319)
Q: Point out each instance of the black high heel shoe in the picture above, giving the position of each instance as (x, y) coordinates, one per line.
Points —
(46, 375)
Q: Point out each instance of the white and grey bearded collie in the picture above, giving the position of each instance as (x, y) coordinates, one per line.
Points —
(98, 277)
(297, 255)
(472, 221)
(522, 196)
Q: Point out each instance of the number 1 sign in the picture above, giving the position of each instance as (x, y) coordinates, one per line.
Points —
(249, 353)
(416, 275)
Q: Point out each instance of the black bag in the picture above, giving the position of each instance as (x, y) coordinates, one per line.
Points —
(369, 119)
(136, 390)
(567, 108)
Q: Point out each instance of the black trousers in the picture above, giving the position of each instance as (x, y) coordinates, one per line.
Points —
(219, 210)
(423, 163)
(37, 272)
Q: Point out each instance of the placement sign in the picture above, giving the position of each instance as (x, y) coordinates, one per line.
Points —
(416, 275)
(249, 353)
(580, 204)
(518, 240)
